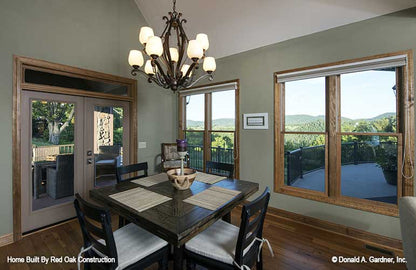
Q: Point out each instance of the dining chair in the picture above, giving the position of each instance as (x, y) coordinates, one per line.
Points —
(225, 246)
(170, 158)
(128, 170)
(130, 246)
(132, 168)
(225, 169)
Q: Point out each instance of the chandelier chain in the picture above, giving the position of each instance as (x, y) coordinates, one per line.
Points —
(174, 5)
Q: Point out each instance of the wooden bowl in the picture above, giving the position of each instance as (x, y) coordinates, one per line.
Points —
(182, 182)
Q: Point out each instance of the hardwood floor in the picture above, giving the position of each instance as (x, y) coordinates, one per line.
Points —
(295, 245)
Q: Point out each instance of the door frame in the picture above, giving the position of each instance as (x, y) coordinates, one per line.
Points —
(19, 65)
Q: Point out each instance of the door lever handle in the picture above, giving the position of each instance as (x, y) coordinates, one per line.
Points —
(89, 160)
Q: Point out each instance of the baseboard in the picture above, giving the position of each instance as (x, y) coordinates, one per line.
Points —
(6, 239)
(367, 237)
(371, 239)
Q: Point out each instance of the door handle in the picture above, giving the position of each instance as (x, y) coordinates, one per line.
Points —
(89, 160)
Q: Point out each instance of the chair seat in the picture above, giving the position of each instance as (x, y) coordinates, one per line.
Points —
(218, 242)
(133, 244)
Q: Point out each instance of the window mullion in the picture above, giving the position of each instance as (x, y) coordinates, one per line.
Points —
(332, 129)
(207, 128)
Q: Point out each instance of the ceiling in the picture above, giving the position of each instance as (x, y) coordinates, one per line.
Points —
(234, 26)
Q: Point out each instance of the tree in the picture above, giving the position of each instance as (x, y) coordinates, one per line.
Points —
(57, 115)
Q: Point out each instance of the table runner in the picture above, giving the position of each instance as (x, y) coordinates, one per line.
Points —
(151, 180)
(209, 178)
(212, 198)
(139, 199)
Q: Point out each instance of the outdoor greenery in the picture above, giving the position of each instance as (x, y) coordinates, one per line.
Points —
(52, 122)
(218, 139)
(306, 123)
(118, 125)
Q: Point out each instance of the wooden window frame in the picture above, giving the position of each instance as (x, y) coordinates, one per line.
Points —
(405, 133)
(208, 120)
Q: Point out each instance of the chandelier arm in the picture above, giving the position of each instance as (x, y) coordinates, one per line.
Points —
(160, 70)
(166, 55)
(190, 69)
(181, 29)
(209, 76)
(134, 72)
(181, 50)
(160, 81)
(168, 22)
(183, 41)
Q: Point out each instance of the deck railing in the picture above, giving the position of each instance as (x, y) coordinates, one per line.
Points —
(45, 152)
(218, 154)
(307, 159)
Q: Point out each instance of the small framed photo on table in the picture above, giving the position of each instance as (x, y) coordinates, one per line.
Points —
(256, 121)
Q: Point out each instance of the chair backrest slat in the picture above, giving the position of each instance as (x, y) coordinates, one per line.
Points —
(94, 230)
(214, 167)
(87, 211)
(254, 224)
(251, 227)
(99, 246)
(130, 169)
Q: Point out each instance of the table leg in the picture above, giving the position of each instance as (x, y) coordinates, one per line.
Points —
(227, 217)
(178, 258)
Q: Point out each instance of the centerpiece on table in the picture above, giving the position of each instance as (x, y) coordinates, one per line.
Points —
(182, 178)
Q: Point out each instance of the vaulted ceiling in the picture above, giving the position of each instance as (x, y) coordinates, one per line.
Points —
(235, 26)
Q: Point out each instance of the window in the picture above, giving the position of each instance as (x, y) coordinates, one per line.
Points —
(345, 132)
(208, 122)
(59, 80)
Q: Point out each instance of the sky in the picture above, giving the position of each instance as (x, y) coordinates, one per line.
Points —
(363, 95)
(223, 106)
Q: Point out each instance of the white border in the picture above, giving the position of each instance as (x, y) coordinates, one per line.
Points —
(266, 120)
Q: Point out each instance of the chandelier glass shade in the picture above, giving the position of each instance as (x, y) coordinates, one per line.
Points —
(173, 59)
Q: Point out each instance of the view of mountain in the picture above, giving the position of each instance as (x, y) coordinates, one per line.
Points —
(300, 119)
(222, 122)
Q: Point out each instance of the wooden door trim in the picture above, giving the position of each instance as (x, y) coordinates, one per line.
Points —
(19, 63)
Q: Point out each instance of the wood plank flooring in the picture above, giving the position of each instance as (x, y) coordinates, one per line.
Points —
(296, 246)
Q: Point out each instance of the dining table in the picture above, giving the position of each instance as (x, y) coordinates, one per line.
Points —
(174, 220)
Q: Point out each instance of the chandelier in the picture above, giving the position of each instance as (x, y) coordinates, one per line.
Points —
(167, 65)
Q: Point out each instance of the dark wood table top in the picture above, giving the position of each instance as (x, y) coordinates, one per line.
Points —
(174, 221)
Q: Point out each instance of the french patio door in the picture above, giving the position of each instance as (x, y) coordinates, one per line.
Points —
(70, 144)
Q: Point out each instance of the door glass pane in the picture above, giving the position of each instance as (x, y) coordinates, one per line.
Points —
(52, 153)
(222, 149)
(108, 143)
(369, 168)
(195, 111)
(223, 120)
(305, 105)
(368, 101)
(195, 149)
(223, 110)
(305, 161)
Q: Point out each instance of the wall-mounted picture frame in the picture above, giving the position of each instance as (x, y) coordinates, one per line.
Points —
(256, 121)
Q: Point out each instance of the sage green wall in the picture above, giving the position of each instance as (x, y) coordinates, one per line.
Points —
(93, 34)
(255, 69)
